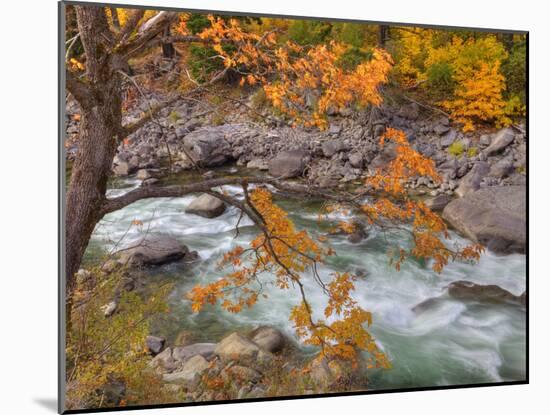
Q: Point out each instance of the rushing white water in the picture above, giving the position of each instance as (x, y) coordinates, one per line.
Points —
(443, 342)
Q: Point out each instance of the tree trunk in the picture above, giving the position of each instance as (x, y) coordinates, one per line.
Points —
(168, 50)
(98, 139)
(383, 34)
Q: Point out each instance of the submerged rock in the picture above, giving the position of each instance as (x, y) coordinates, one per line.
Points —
(494, 217)
(206, 206)
(470, 291)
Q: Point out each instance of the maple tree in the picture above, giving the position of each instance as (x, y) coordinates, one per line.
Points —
(285, 253)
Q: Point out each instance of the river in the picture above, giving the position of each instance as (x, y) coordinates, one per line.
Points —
(448, 343)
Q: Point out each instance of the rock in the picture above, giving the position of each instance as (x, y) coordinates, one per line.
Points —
(357, 236)
(153, 249)
(122, 169)
(449, 138)
(207, 206)
(190, 373)
(113, 392)
(320, 373)
(379, 130)
(410, 111)
(332, 147)
(83, 276)
(501, 140)
(493, 216)
(485, 140)
(239, 348)
(154, 344)
(334, 129)
(502, 168)
(184, 353)
(268, 338)
(356, 160)
(149, 182)
(441, 129)
(288, 164)
(208, 146)
(470, 291)
(471, 182)
(109, 308)
(257, 164)
(164, 362)
(143, 174)
(438, 203)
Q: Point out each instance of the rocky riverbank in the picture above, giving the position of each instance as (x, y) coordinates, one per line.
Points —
(184, 137)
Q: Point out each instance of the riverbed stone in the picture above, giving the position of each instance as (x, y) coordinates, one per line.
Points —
(209, 146)
(439, 202)
(471, 182)
(154, 344)
(500, 141)
(164, 362)
(207, 206)
(189, 374)
(289, 164)
(152, 249)
(184, 353)
(493, 216)
(239, 348)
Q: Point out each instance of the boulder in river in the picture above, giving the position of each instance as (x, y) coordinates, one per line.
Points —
(207, 206)
(493, 216)
(153, 249)
(470, 291)
(289, 164)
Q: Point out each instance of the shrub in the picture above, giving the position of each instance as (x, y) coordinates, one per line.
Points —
(472, 152)
(514, 69)
(440, 79)
(308, 32)
(259, 99)
(353, 57)
(456, 149)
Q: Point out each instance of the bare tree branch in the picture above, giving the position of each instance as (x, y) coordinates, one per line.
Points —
(145, 33)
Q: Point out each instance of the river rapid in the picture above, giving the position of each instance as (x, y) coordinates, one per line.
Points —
(447, 343)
